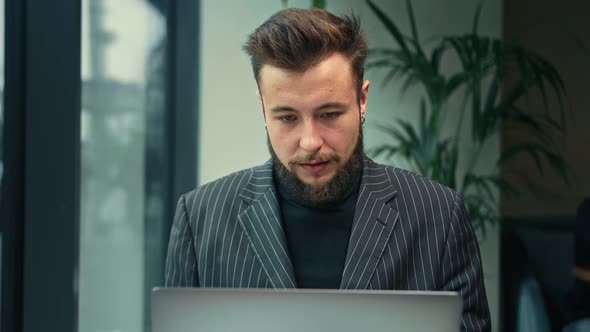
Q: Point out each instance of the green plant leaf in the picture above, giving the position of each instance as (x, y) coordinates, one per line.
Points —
(550, 74)
(387, 151)
(536, 151)
(533, 150)
(393, 72)
(415, 39)
(408, 82)
(476, 18)
(436, 57)
(454, 82)
(541, 124)
(395, 134)
(409, 130)
(412, 20)
(318, 4)
(373, 52)
(481, 211)
(390, 26)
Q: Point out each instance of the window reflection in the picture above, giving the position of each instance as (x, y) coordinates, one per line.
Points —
(122, 71)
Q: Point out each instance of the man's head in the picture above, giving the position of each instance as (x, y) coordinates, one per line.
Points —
(309, 68)
(298, 39)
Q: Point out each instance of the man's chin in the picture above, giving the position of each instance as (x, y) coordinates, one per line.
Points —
(314, 180)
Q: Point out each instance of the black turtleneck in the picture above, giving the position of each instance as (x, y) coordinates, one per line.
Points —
(318, 236)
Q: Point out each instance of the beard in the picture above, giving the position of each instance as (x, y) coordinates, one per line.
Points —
(336, 189)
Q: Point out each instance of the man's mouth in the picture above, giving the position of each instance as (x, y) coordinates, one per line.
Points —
(315, 166)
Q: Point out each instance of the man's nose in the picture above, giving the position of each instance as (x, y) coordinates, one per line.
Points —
(311, 138)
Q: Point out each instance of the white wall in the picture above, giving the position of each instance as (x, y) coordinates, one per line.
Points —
(232, 133)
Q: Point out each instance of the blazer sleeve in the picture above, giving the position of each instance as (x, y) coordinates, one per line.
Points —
(181, 262)
(463, 272)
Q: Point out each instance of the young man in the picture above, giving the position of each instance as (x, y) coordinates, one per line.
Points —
(320, 214)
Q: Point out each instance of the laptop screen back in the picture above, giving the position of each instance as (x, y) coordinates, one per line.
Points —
(262, 310)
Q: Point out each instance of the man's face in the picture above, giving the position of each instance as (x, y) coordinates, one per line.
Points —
(313, 117)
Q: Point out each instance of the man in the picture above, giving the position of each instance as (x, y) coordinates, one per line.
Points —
(320, 214)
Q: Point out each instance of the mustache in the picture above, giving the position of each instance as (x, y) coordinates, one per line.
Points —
(316, 158)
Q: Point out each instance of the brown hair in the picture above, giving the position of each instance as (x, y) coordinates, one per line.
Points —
(298, 39)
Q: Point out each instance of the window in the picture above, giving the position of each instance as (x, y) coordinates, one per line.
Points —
(123, 90)
(90, 187)
(1, 118)
(1, 96)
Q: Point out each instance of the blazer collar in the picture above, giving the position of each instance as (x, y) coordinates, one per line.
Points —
(261, 221)
(374, 220)
(373, 224)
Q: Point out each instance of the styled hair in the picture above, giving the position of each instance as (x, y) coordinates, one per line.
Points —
(298, 39)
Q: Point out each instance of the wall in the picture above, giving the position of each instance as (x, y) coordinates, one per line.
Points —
(232, 132)
(555, 30)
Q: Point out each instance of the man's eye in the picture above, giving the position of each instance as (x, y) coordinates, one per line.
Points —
(287, 118)
(330, 115)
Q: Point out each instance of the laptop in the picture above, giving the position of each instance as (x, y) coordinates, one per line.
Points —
(303, 310)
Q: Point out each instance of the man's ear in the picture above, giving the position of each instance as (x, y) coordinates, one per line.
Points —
(364, 97)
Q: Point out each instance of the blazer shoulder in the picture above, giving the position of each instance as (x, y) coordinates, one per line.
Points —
(230, 185)
(409, 179)
(418, 187)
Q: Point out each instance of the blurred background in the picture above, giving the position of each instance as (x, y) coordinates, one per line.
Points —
(111, 109)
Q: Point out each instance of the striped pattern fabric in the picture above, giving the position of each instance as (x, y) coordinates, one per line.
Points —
(409, 233)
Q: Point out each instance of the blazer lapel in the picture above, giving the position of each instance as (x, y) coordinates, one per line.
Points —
(261, 222)
(373, 224)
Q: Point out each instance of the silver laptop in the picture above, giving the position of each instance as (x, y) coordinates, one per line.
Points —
(299, 310)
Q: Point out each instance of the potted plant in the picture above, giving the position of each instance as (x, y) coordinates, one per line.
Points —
(494, 79)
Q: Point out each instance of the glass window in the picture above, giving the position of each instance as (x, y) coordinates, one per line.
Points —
(1, 88)
(123, 59)
(1, 116)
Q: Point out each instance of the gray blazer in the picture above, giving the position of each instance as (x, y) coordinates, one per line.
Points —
(409, 233)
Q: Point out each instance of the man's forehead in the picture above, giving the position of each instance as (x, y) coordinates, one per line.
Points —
(269, 71)
(334, 68)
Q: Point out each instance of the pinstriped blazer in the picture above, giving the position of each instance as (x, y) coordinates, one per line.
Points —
(409, 233)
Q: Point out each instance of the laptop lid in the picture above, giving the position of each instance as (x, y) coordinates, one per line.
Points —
(302, 310)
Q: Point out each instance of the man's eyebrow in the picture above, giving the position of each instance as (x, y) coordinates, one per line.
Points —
(282, 109)
(334, 104)
(322, 107)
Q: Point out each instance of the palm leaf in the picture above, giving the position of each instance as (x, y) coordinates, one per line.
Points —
(393, 72)
(533, 150)
(395, 133)
(436, 56)
(390, 26)
(318, 4)
(415, 40)
(409, 130)
(541, 124)
(476, 18)
(383, 150)
(380, 63)
(455, 81)
(538, 151)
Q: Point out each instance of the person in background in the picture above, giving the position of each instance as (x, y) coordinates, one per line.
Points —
(578, 300)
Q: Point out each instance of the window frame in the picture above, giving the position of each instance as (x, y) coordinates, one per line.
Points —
(40, 197)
